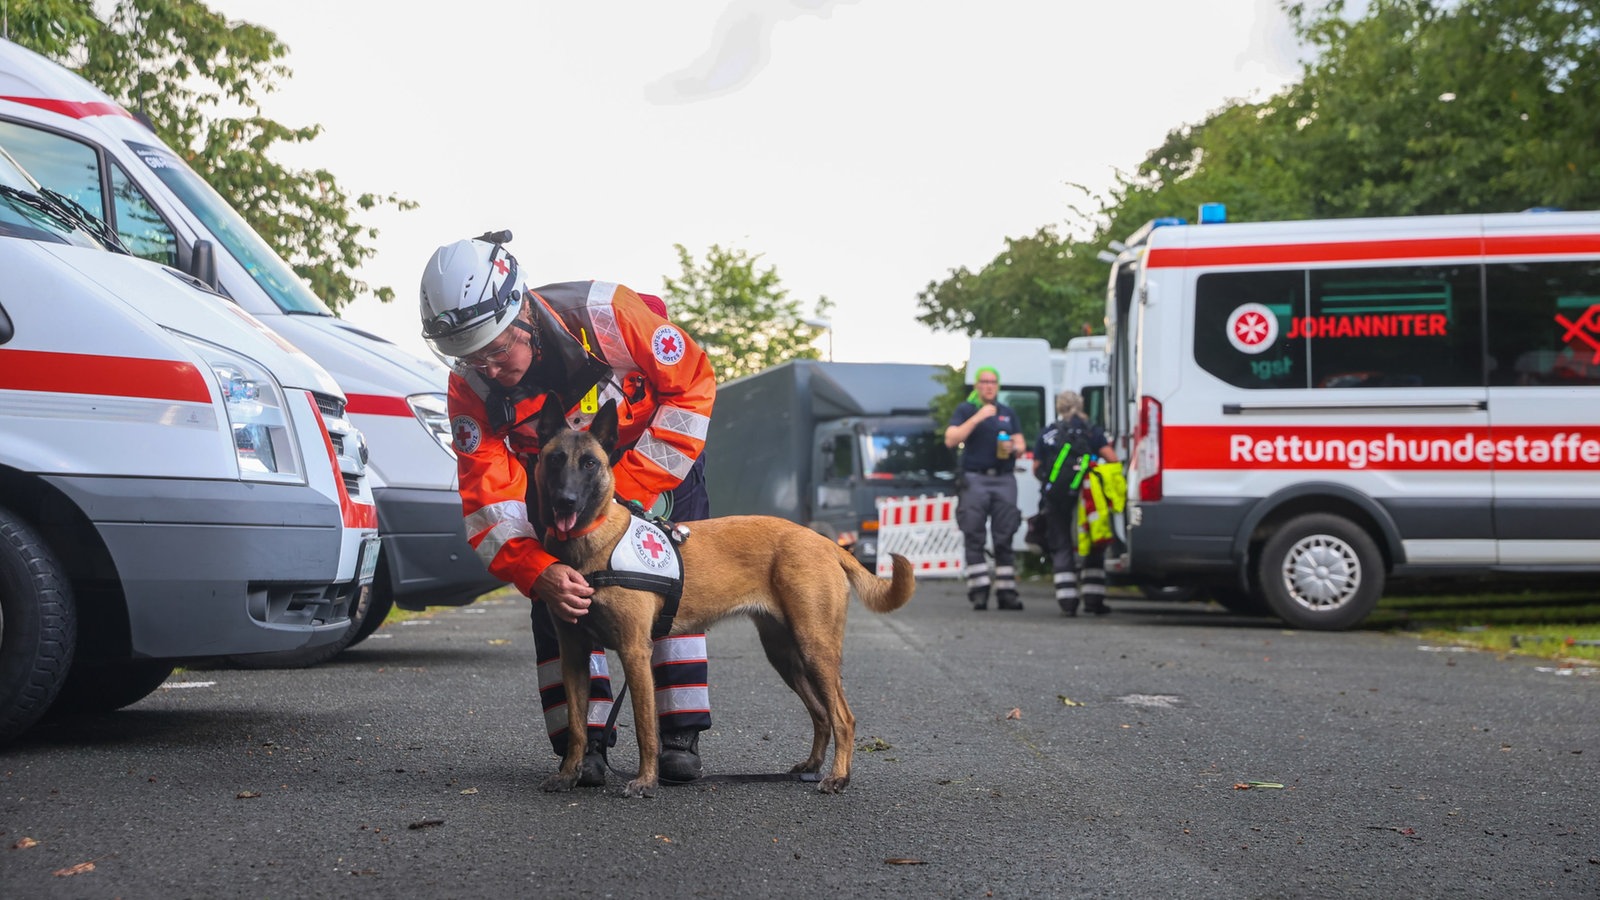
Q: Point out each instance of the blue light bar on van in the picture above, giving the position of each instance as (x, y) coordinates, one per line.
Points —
(1213, 213)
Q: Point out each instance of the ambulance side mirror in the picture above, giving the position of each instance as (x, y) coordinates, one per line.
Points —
(203, 263)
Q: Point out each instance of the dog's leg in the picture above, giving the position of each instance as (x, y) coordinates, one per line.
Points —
(634, 649)
(785, 658)
(817, 620)
(575, 678)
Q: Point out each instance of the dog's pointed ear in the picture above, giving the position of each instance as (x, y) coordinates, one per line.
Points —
(604, 428)
(552, 419)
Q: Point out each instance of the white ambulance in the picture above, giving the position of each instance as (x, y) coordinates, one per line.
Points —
(74, 139)
(175, 480)
(1312, 407)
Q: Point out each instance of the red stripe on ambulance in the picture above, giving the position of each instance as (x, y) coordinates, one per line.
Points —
(72, 108)
(1367, 448)
(112, 376)
(1374, 251)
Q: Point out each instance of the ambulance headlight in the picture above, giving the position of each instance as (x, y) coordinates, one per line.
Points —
(431, 411)
(263, 436)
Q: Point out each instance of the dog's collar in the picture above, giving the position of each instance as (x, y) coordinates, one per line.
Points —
(551, 532)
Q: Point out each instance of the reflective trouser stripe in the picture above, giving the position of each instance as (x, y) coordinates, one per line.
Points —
(977, 575)
(1094, 586)
(1005, 578)
(1067, 585)
(553, 697)
(683, 698)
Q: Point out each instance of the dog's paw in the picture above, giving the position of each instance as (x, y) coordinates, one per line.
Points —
(640, 788)
(810, 765)
(833, 784)
(559, 783)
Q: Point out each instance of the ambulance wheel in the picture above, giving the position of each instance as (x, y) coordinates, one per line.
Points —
(38, 626)
(382, 604)
(109, 686)
(1321, 571)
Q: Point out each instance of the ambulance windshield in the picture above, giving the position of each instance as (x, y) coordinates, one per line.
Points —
(231, 231)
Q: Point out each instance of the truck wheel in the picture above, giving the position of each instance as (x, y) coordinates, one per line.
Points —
(307, 657)
(1321, 571)
(109, 686)
(38, 626)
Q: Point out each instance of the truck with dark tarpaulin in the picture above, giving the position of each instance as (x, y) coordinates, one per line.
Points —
(819, 442)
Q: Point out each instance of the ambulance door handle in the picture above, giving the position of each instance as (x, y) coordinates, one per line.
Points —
(1255, 409)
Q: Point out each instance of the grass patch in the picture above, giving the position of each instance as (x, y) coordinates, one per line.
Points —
(1557, 625)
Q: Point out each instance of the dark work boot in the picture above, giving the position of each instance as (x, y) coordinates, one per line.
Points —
(593, 771)
(1007, 600)
(979, 598)
(680, 755)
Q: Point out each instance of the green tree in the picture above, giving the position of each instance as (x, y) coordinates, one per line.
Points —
(184, 66)
(739, 314)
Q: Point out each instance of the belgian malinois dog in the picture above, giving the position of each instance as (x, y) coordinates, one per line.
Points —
(793, 582)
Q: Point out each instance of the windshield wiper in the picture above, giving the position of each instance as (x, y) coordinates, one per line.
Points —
(88, 221)
(37, 203)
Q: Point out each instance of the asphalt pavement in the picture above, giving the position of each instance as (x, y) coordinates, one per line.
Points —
(1166, 750)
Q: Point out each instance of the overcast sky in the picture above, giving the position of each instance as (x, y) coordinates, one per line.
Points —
(862, 147)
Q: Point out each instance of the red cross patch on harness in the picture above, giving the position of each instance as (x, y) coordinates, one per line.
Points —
(649, 546)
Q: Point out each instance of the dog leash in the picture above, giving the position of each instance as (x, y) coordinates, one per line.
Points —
(609, 734)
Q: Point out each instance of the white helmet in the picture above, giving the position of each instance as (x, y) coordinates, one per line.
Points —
(471, 292)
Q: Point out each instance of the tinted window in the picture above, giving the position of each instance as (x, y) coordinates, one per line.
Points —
(1406, 326)
(1410, 326)
(1544, 323)
(1242, 324)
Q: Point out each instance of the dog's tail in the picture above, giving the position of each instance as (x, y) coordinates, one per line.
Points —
(878, 594)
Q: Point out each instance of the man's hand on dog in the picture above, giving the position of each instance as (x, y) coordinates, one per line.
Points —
(564, 591)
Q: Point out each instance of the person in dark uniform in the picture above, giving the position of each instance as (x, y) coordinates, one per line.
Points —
(1066, 449)
(990, 436)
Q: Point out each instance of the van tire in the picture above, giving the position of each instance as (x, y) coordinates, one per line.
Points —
(38, 626)
(104, 687)
(377, 612)
(1322, 572)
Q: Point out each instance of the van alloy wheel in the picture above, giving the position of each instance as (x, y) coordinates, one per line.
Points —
(1321, 571)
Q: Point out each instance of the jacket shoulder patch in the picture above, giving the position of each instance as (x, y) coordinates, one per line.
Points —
(467, 432)
(668, 345)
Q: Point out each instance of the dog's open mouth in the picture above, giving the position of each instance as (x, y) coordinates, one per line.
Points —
(565, 524)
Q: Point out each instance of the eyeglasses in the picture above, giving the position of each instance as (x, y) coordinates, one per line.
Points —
(988, 381)
(487, 359)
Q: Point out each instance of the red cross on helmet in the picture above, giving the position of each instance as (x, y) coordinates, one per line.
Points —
(471, 292)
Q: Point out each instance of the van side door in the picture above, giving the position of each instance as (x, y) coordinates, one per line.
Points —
(1544, 403)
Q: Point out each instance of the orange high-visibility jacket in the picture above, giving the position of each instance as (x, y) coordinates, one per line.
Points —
(597, 342)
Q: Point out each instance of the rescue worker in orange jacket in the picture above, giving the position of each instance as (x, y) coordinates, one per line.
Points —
(586, 342)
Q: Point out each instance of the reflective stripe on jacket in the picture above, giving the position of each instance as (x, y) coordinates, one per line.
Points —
(1105, 491)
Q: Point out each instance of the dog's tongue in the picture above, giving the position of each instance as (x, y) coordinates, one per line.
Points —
(565, 524)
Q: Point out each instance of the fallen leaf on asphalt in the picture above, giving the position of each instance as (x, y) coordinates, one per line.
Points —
(470, 791)
(903, 861)
(1265, 784)
(875, 745)
(424, 823)
(1014, 714)
(24, 843)
(78, 869)
(247, 795)
(1241, 786)
(1067, 701)
(666, 840)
